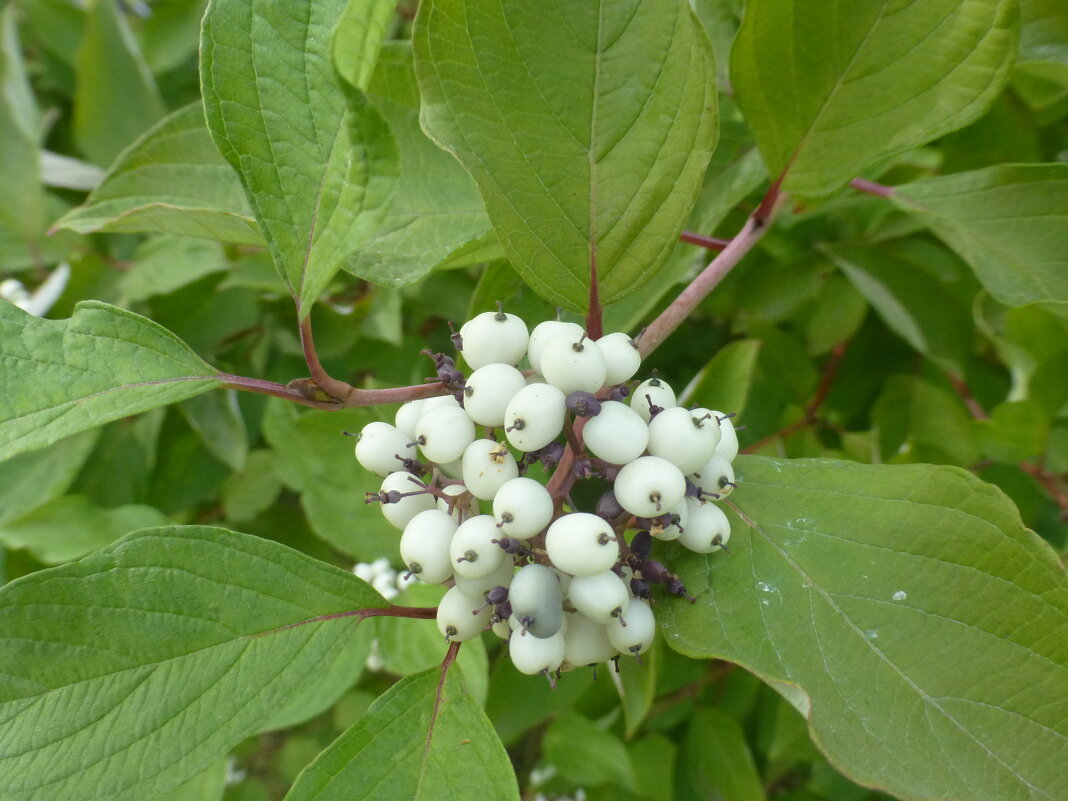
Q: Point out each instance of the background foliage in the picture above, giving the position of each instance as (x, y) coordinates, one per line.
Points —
(894, 612)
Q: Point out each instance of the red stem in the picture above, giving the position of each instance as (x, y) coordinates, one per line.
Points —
(710, 242)
(872, 188)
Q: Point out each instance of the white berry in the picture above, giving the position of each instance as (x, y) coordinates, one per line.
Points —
(493, 337)
(488, 391)
(537, 601)
(542, 333)
(398, 514)
(586, 641)
(378, 445)
(424, 545)
(581, 544)
(486, 466)
(522, 508)
(707, 527)
(601, 597)
(443, 432)
(685, 438)
(649, 486)
(633, 631)
(472, 550)
(534, 416)
(617, 434)
(461, 618)
(573, 363)
(621, 357)
(656, 390)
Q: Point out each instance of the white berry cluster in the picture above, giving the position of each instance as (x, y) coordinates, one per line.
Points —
(565, 587)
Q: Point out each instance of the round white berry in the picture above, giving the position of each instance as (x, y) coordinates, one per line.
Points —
(680, 513)
(472, 550)
(621, 357)
(707, 527)
(685, 438)
(478, 587)
(488, 390)
(493, 337)
(581, 544)
(654, 390)
(617, 434)
(573, 363)
(649, 486)
(534, 416)
(377, 448)
(461, 618)
(486, 466)
(407, 416)
(542, 333)
(522, 508)
(398, 514)
(586, 641)
(424, 545)
(715, 476)
(443, 432)
(537, 601)
(533, 655)
(728, 439)
(600, 597)
(632, 632)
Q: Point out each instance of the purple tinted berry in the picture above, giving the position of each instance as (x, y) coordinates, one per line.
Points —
(608, 507)
(642, 545)
(620, 393)
(583, 404)
(640, 588)
(497, 595)
(676, 587)
(655, 572)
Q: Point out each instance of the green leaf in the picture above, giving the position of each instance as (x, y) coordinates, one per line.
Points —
(910, 613)
(208, 785)
(617, 123)
(22, 207)
(914, 303)
(917, 421)
(164, 264)
(171, 180)
(35, 478)
(724, 382)
(250, 492)
(1043, 31)
(1010, 223)
(216, 419)
(130, 671)
(58, 377)
(437, 212)
(317, 162)
(414, 744)
(73, 526)
(587, 754)
(715, 759)
(1016, 431)
(115, 99)
(516, 704)
(358, 38)
(314, 458)
(830, 91)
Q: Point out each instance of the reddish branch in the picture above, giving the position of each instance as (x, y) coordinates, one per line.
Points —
(811, 415)
(417, 612)
(446, 663)
(872, 188)
(710, 242)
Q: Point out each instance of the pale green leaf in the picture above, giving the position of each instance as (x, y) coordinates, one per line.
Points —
(315, 459)
(587, 126)
(166, 263)
(922, 626)
(831, 89)
(59, 377)
(724, 382)
(208, 785)
(250, 492)
(1009, 222)
(115, 97)
(73, 526)
(437, 209)
(586, 754)
(359, 36)
(317, 161)
(171, 180)
(125, 673)
(35, 478)
(216, 419)
(1043, 31)
(425, 738)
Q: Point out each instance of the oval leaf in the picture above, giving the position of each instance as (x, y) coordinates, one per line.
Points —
(1004, 222)
(923, 627)
(59, 377)
(425, 738)
(829, 91)
(172, 180)
(125, 673)
(616, 123)
(317, 162)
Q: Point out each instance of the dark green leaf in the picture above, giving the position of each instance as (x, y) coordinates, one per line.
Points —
(909, 613)
(143, 663)
(1016, 431)
(917, 421)
(715, 759)
(317, 162)
(58, 377)
(248, 493)
(216, 419)
(587, 754)
(831, 90)
(617, 123)
(1010, 223)
(171, 180)
(516, 703)
(116, 99)
(414, 744)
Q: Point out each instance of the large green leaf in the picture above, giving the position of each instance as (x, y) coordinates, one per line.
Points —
(59, 377)
(127, 672)
(171, 180)
(392, 752)
(32, 479)
(1010, 223)
(359, 36)
(317, 161)
(437, 209)
(587, 126)
(115, 98)
(906, 611)
(831, 88)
